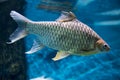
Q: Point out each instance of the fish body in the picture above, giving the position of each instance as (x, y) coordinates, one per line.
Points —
(67, 34)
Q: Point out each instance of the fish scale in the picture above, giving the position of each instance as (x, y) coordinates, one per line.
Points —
(64, 36)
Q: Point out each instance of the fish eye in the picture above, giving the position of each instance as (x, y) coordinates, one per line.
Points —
(105, 46)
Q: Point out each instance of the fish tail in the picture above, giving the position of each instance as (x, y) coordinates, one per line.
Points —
(20, 32)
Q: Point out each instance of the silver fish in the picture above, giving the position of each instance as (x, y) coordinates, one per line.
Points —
(67, 35)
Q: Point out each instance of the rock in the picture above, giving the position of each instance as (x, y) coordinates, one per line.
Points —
(12, 57)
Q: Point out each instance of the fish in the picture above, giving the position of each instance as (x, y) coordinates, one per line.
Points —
(41, 78)
(55, 5)
(66, 34)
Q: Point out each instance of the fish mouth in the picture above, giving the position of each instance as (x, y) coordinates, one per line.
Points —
(108, 49)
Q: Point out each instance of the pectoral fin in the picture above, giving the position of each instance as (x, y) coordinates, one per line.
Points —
(35, 47)
(60, 55)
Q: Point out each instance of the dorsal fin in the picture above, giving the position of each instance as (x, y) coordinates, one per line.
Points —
(66, 17)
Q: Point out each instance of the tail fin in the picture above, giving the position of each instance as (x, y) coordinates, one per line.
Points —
(20, 32)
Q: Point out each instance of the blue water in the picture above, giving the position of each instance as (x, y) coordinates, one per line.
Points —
(101, 15)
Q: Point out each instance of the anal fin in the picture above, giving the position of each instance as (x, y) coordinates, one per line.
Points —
(35, 47)
(60, 55)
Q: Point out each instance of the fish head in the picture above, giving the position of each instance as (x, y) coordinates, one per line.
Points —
(102, 46)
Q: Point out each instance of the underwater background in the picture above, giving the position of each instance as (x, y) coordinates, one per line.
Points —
(103, 16)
